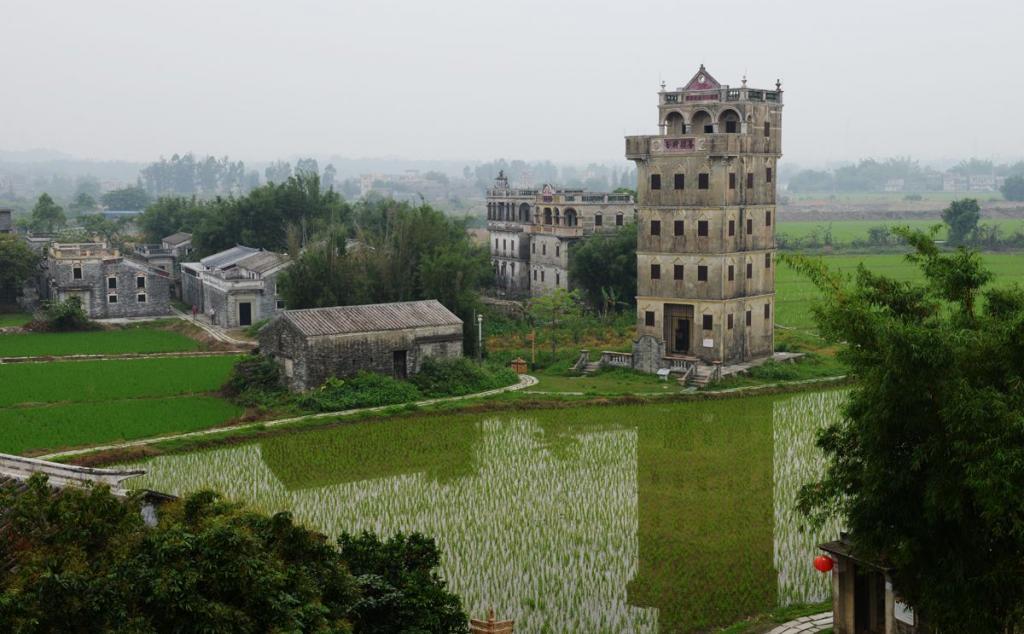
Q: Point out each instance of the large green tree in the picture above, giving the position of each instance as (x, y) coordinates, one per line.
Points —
(170, 214)
(1013, 188)
(603, 267)
(126, 199)
(962, 218)
(47, 216)
(555, 310)
(82, 560)
(927, 466)
(17, 262)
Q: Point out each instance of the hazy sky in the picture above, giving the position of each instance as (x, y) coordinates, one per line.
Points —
(477, 79)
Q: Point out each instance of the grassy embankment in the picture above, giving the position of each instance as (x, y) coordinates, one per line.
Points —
(65, 404)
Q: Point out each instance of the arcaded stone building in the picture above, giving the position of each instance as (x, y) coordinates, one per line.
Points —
(106, 283)
(314, 344)
(706, 223)
(531, 231)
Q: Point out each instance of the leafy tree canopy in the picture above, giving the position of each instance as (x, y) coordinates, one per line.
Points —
(927, 467)
(126, 199)
(208, 566)
(962, 218)
(17, 261)
(1013, 187)
(603, 267)
(555, 310)
(47, 216)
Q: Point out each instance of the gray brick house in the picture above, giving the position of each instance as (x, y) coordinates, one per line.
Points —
(315, 344)
(236, 287)
(107, 283)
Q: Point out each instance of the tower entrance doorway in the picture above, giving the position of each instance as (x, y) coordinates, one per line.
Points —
(678, 328)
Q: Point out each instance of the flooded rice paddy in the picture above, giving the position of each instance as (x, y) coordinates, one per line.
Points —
(659, 518)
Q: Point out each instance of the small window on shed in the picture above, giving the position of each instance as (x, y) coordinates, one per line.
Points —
(702, 228)
(112, 283)
(649, 318)
(709, 322)
(655, 227)
(655, 181)
(703, 180)
(141, 298)
(280, 304)
(140, 281)
(680, 181)
(702, 273)
(76, 273)
(111, 299)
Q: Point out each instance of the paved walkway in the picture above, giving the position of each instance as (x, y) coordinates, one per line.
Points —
(525, 381)
(127, 356)
(216, 332)
(805, 624)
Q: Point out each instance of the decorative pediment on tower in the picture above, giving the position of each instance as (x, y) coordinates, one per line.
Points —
(702, 80)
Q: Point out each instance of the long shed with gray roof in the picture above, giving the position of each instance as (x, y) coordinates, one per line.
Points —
(315, 344)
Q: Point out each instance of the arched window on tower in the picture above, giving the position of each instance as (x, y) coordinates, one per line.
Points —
(674, 124)
(547, 215)
(729, 122)
(702, 123)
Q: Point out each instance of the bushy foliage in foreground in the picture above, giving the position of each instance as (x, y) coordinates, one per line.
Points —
(208, 566)
(365, 389)
(256, 381)
(455, 377)
(63, 316)
(927, 467)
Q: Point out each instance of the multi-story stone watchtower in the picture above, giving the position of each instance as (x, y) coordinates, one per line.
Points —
(706, 214)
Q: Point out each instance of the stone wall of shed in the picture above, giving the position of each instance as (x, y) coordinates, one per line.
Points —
(308, 362)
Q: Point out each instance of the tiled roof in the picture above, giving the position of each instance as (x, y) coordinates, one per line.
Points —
(262, 261)
(177, 238)
(227, 258)
(340, 320)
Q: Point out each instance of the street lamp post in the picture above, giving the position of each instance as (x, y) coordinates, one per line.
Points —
(479, 336)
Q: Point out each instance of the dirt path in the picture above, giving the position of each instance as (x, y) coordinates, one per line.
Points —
(525, 381)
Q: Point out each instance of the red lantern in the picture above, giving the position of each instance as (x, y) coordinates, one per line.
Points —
(823, 563)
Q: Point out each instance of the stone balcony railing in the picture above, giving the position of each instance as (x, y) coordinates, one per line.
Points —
(725, 93)
(556, 230)
(716, 144)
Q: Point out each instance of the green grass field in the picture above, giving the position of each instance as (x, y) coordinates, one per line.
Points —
(119, 341)
(54, 427)
(94, 381)
(72, 403)
(14, 319)
(796, 294)
(846, 231)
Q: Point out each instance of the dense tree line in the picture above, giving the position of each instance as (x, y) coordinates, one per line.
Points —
(185, 175)
(603, 268)
(83, 560)
(871, 175)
